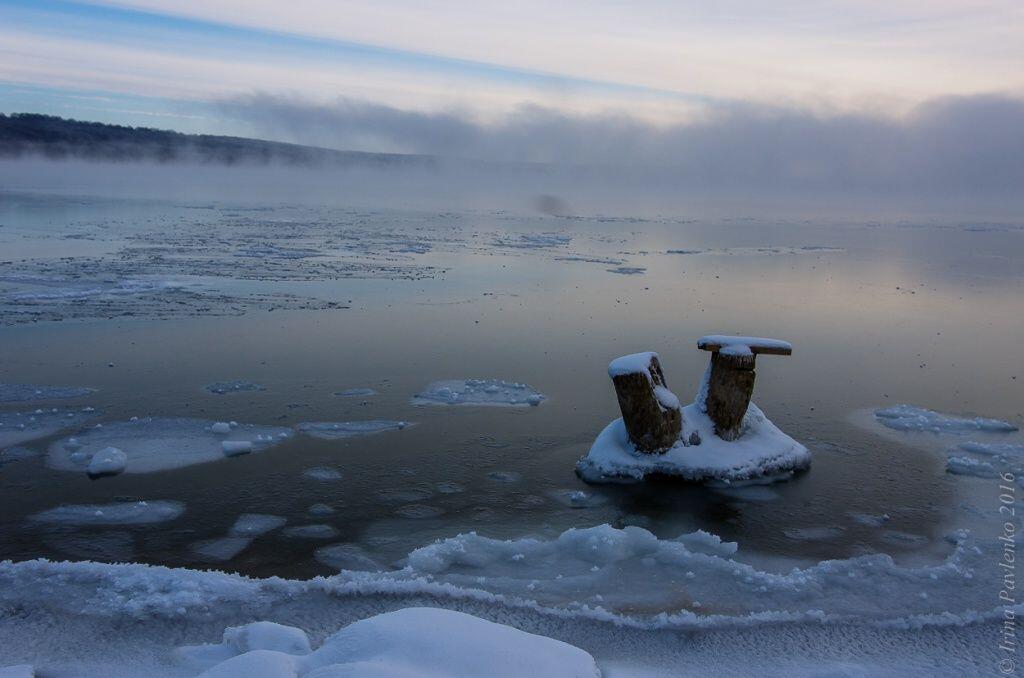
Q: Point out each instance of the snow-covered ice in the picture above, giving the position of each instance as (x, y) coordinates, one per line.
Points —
(109, 461)
(414, 642)
(750, 343)
(118, 513)
(23, 393)
(910, 418)
(255, 524)
(21, 427)
(158, 443)
(761, 450)
(337, 430)
(478, 392)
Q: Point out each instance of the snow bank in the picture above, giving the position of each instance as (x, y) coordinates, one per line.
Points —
(415, 642)
(762, 450)
(23, 393)
(336, 430)
(118, 513)
(478, 392)
(156, 444)
(910, 418)
(21, 427)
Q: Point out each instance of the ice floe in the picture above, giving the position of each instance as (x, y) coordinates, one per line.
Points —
(21, 427)
(22, 393)
(355, 393)
(348, 557)
(157, 443)
(761, 450)
(993, 449)
(336, 430)
(910, 418)
(414, 642)
(222, 549)
(255, 524)
(478, 392)
(118, 513)
(968, 466)
(226, 387)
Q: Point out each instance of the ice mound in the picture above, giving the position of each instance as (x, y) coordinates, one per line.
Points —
(118, 513)
(355, 393)
(21, 427)
(23, 393)
(761, 451)
(414, 642)
(225, 387)
(255, 524)
(336, 430)
(157, 443)
(350, 557)
(478, 392)
(910, 418)
(109, 461)
(222, 549)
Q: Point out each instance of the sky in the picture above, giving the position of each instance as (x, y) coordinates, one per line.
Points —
(593, 78)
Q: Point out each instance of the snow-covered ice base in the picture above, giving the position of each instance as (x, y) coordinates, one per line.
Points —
(160, 443)
(478, 392)
(620, 594)
(761, 451)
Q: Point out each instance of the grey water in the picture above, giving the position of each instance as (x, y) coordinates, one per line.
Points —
(149, 300)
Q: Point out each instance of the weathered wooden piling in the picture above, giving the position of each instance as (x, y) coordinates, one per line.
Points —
(650, 412)
(731, 380)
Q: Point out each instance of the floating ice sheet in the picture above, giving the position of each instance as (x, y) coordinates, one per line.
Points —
(255, 524)
(336, 430)
(21, 427)
(23, 393)
(222, 549)
(348, 557)
(118, 513)
(910, 418)
(355, 393)
(226, 387)
(478, 392)
(158, 443)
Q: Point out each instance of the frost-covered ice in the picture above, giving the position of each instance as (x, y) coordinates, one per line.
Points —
(910, 418)
(21, 427)
(324, 473)
(761, 450)
(23, 393)
(118, 513)
(316, 531)
(336, 430)
(255, 524)
(348, 557)
(478, 392)
(222, 549)
(109, 461)
(226, 387)
(414, 642)
(157, 444)
(355, 393)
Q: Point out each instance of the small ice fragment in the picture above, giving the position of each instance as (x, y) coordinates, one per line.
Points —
(234, 448)
(255, 524)
(910, 418)
(320, 510)
(109, 461)
(222, 549)
(221, 427)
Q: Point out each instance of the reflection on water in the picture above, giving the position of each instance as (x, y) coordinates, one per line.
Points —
(310, 303)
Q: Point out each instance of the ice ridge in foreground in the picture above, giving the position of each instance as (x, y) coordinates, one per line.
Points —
(478, 392)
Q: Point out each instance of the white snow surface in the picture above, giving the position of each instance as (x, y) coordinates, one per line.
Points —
(725, 340)
(634, 363)
(762, 450)
(478, 392)
(161, 443)
(415, 642)
(911, 418)
(620, 594)
(117, 513)
(336, 430)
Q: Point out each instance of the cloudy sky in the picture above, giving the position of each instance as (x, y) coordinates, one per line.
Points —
(488, 77)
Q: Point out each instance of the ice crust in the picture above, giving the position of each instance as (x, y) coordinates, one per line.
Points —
(337, 430)
(761, 451)
(478, 392)
(157, 444)
(910, 418)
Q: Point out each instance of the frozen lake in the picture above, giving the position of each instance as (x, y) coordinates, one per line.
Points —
(347, 343)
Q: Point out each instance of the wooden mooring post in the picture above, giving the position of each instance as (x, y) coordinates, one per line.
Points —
(650, 412)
